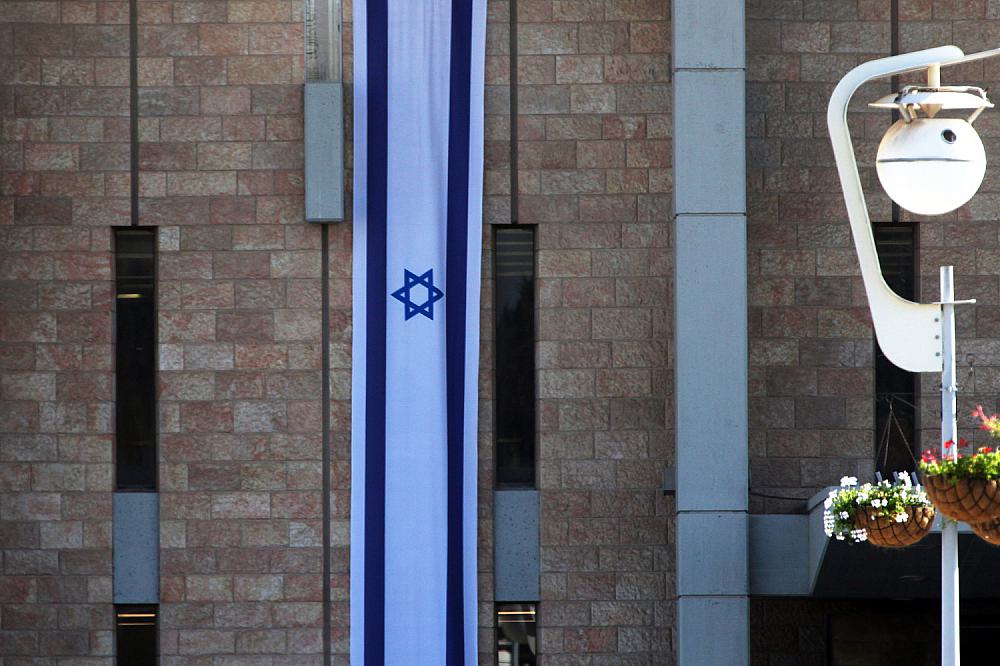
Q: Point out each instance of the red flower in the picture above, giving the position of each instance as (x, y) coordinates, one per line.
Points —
(949, 444)
(987, 449)
(962, 442)
(981, 415)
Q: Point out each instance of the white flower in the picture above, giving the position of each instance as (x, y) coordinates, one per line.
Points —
(904, 478)
(844, 515)
(848, 481)
(902, 517)
(859, 534)
(827, 503)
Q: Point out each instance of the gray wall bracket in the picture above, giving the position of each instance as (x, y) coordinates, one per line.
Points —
(324, 152)
(517, 560)
(669, 481)
(136, 556)
(791, 556)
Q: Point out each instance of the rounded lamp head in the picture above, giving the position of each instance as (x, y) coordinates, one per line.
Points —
(931, 166)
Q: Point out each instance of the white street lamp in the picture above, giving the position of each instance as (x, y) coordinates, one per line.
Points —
(928, 165)
(931, 166)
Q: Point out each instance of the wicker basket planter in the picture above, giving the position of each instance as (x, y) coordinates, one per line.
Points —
(988, 531)
(969, 500)
(885, 532)
(888, 514)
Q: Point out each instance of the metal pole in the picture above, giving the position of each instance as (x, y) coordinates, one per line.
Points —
(950, 648)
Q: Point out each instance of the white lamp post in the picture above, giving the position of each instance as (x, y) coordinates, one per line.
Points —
(930, 166)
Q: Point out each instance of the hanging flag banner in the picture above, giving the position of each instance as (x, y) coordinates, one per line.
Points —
(418, 164)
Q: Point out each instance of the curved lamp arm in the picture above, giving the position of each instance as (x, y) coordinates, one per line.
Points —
(908, 333)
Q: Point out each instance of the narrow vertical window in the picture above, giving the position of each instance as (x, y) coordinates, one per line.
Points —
(514, 274)
(135, 358)
(136, 638)
(895, 389)
(515, 638)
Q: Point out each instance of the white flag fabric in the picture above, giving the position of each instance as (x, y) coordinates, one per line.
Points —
(418, 163)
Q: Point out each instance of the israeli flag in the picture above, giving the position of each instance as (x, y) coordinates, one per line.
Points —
(418, 164)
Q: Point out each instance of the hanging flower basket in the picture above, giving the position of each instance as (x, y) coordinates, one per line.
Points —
(967, 499)
(887, 532)
(965, 486)
(887, 514)
(988, 531)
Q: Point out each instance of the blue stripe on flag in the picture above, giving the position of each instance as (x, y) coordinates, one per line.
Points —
(457, 250)
(378, 131)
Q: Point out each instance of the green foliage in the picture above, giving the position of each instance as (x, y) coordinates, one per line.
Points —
(952, 464)
(983, 464)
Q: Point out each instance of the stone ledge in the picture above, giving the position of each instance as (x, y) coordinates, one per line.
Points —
(791, 556)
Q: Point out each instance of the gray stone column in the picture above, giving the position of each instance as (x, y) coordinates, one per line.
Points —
(710, 300)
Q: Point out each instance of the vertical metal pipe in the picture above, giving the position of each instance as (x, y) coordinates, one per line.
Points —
(893, 86)
(934, 76)
(323, 37)
(950, 646)
(133, 110)
(933, 81)
(325, 406)
(514, 216)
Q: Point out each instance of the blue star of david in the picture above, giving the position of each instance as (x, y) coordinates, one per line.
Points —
(411, 280)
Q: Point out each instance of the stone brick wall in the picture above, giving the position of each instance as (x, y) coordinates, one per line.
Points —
(593, 172)
(64, 170)
(220, 158)
(220, 175)
(811, 350)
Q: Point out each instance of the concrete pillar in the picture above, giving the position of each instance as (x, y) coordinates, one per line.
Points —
(711, 331)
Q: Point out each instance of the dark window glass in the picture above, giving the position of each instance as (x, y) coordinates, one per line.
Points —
(135, 358)
(516, 644)
(514, 274)
(896, 430)
(909, 631)
(979, 631)
(136, 637)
